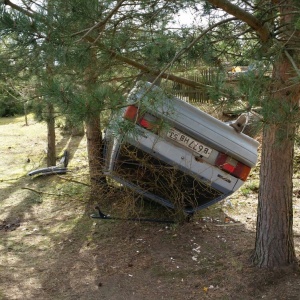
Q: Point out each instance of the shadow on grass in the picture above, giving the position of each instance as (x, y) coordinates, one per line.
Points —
(68, 142)
(71, 256)
(43, 246)
(81, 258)
(19, 213)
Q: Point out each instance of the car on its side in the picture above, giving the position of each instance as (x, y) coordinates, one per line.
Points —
(171, 152)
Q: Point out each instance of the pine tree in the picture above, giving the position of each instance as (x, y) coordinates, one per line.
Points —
(71, 42)
(271, 28)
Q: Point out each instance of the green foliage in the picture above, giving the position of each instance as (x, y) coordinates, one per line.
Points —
(11, 103)
(297, 24)
(83, 79)
(160, 51)
(253, 84)
(10, 107)
(75, 75)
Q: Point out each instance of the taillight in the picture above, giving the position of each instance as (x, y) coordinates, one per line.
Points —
(146, 120)
(232, 166)
(131, 113)
(149, 122)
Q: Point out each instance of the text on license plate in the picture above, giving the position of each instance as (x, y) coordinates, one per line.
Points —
(189, 142)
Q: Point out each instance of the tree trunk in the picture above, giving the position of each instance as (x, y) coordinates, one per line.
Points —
(95, 157)
(51, 152)
(274, 245)
(93, 133)
(25, 113)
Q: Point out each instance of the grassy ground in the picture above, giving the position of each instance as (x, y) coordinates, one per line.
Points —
(52, 249)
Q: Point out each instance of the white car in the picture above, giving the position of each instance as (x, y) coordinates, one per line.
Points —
(175, 154)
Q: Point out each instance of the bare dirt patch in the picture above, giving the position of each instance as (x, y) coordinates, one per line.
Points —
(52, 249)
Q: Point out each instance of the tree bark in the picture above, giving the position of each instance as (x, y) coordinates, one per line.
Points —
(94, 134)
(50, 119)
(51, 151)
(25, 113)
(95, 157)
(274, 246)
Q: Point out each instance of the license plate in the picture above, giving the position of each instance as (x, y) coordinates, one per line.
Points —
(189, 142)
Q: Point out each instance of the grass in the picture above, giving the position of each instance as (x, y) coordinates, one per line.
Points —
(250, 187)
(13, 120)
(59, 252)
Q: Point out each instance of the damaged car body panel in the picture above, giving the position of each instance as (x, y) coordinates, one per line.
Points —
(174, 153)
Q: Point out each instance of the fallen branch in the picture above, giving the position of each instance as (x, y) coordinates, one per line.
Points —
(44, 193)
(11, 179)
(229, 224)
(73, 180)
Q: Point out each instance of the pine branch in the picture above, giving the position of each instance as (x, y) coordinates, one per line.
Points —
(262, 29)
(164, 75)
(129, 61)
(292, 62)
(19, 8)
(102, 23)
(184, 50)
(133, 63)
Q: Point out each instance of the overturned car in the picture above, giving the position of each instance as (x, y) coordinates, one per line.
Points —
(173, 153)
